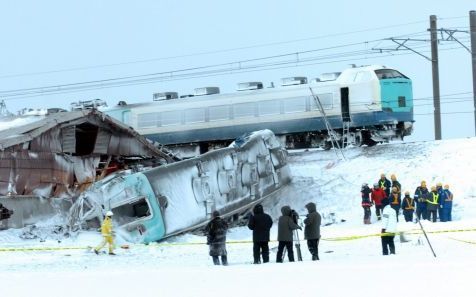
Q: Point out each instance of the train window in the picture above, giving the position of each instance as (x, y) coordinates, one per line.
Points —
(401, 101)
(195, 115)
(327, 101)
(219, 113)
(171, 118)
(297, 104)
(362, 76)
(388, 73)
(148, 120)
(243, 110)
(131, 212)
(269, 107)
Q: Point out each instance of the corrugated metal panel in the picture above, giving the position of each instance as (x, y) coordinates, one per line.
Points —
(68, 135)
(102, 142)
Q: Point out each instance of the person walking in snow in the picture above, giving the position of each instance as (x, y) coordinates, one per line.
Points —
(385, 184)
(421, 195)
(366, 203)
(260, 223)
(389, 228)
(312, 230)
(286, 226)
(216, 238)
(408, 206)
(395, 200)
(377, 195)
(107, 234)
(448, 204)
(432, 204)
(396, 183)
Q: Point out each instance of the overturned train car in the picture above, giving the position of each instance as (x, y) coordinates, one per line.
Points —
(160, 202)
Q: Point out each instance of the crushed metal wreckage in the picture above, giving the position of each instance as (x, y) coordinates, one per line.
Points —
(160, 202)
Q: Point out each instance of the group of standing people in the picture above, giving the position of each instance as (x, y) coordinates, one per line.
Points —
(260, 223)
(386, 196)
(425, 204)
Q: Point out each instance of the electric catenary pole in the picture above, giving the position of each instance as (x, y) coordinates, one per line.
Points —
(436, 76)
(472, 28)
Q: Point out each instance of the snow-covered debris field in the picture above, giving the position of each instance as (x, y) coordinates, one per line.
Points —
(353, 266)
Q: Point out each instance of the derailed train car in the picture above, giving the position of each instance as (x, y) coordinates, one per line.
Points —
(160, 202)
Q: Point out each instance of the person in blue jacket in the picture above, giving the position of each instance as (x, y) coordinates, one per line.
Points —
(442, 198)
(447, 204)
(421, 194)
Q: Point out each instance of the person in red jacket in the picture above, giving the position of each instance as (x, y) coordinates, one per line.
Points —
(378, 194)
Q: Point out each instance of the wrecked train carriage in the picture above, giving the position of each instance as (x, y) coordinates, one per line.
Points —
(179, 197)
(61, 154)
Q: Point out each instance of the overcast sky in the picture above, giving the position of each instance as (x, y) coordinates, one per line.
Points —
(47, 43)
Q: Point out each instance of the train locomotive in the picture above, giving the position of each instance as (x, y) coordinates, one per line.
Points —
(360, 105)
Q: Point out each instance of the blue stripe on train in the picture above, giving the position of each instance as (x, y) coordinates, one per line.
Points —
(279, 128)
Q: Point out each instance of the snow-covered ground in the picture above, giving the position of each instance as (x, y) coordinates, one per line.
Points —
(353, 266)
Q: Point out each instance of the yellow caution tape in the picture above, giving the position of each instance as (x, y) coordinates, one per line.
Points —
(462, 240)
(342, 238)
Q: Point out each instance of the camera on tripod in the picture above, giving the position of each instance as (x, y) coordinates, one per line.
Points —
(294, 216)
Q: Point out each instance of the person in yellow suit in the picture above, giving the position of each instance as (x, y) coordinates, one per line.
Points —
(106, 231)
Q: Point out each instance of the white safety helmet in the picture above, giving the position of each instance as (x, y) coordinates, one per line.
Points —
(109, 213)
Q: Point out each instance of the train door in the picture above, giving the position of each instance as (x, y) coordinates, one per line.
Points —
(344, 104)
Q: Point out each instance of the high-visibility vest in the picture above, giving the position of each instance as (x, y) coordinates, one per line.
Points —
(382, 184)
(395, 199)
(409, 204)
(435, 198)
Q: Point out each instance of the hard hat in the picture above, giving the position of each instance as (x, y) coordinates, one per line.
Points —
(447, 186)
(109, 213)
(433, 188)
(407, 193)
(382, 175)
(423, 183)
(393, 177)
(376, 185)
(439, 184)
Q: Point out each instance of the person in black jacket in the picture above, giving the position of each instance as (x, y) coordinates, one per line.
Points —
(286, 226)
(260, 223)
(312, 230)
(216, 238)
(385, 184)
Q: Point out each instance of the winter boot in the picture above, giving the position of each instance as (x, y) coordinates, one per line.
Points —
(224, 260)
(96, 251)
(216, 261)
(112, 254)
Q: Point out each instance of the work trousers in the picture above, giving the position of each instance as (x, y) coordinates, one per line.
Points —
(367, 213)
(431, 215)
(387, 242)
(260, 247)
(312, 245)
(421, 213)
(408, 214)
(378, 210)
(396, 208)
(216, 260)
(289, 248)
(106, 240)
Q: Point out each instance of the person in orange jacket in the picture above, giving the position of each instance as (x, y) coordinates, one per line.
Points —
(106, 231)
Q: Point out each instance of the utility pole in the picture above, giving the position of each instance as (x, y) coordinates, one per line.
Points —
(472, 27)
(436, 76)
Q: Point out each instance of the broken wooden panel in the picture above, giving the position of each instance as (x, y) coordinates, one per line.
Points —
(47, 142)
(102, 142)
(68, 139)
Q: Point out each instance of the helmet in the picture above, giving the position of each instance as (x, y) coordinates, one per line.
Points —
(109, 213)
(433, 188)
(393, 177)
(407, 193)
(382, 175)
(423, 183)
(376, 185)
(439, 184)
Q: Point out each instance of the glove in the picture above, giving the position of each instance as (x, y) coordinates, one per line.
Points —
(383, 230)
